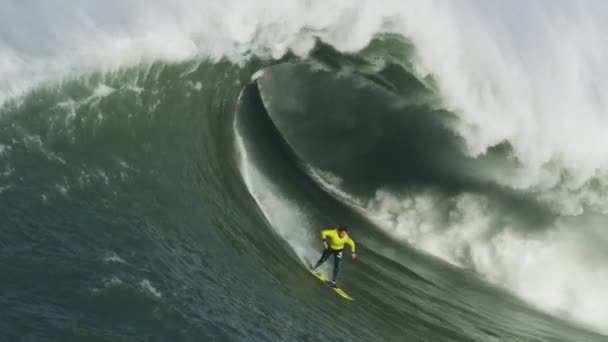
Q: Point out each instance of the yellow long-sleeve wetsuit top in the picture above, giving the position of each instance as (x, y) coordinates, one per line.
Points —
(335, 241)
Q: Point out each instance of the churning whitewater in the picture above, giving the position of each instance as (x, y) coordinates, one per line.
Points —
(166, 168)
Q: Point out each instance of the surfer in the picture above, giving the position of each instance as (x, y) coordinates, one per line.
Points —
(333, 243)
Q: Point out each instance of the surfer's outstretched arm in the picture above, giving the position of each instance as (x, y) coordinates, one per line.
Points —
(353, 248)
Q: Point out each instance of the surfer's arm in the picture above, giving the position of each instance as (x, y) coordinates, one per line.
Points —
(351, 243)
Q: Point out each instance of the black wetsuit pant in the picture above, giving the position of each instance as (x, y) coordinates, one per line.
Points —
(337, 258)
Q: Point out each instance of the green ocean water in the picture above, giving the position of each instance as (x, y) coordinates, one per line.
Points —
(171, 202)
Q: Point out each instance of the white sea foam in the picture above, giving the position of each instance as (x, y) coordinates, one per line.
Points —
(112, 257)
(112, 281)
(4, 149)
(147, 286)
(4, 188)
(516, 71)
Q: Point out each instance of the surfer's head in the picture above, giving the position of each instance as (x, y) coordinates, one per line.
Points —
(342, 230)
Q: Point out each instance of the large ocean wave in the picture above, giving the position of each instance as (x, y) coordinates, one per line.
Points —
(137, 138)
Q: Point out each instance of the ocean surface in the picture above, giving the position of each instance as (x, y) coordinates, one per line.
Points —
(166, 168)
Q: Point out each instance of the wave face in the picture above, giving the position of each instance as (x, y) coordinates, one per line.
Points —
(165, 169)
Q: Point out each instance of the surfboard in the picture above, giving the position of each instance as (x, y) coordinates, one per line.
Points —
(336, 289)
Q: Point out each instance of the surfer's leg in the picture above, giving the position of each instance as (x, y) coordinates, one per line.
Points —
(337, 259)
(324, 256)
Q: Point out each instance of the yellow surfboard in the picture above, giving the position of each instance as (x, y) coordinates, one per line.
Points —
(337, 289)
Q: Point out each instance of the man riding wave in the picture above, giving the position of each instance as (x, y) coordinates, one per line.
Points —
(333, 244)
